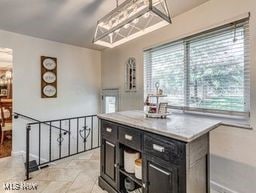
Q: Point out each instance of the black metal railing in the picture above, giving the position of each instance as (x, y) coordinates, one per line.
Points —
(18, 115)
(53, 140)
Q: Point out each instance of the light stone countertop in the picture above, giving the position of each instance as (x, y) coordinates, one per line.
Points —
(183, 127)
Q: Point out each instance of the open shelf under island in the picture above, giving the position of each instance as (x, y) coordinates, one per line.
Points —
(174, 152)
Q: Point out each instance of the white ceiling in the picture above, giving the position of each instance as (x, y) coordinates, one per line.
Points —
(67, 21)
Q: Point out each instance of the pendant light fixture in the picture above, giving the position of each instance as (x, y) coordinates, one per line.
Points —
(131, 19)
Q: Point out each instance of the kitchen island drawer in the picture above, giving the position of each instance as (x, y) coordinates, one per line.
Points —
(130, 137)
(109, 131)
(167, 149)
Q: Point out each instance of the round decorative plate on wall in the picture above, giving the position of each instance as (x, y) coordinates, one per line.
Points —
(49, 91)
(49, 64)
(49, 77)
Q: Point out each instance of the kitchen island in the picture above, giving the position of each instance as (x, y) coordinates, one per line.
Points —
(174, 152)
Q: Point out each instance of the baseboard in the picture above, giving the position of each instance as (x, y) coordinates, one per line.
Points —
(17, 153)
(220, 188)
(31, 156)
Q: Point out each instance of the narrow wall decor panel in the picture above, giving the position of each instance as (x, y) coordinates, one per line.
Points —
(130, 76)
(48, 77)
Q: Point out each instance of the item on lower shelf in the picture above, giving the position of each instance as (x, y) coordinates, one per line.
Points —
(129, 159)
(139, 190)
(138, 168)
(152, 109)
(129, 184)
(162, 109)
(147, 103)
(160, 92)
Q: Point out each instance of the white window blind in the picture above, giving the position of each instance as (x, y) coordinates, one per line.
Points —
(206, 72)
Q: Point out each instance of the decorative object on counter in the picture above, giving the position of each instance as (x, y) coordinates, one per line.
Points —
(129, 184)
(161, 92)
(157, 85)
(130, 77)
(48, 77)
(129, 159)
(147, 103)
(152, 109)
(157, 109)
(138, 168)
(162, 109)
(130, 20)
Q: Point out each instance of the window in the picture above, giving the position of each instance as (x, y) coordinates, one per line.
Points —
(110, 104)
(206, 72)
(110, 100)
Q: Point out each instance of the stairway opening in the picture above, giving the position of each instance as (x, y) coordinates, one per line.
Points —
(6, 76)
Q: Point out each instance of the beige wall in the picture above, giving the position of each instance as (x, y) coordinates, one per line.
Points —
(228, 145)
(79, 81)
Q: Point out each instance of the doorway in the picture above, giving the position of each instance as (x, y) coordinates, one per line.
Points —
(110, 100)
(6, 69)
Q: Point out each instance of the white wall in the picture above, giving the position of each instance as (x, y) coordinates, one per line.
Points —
(79, 81)
(229, 146)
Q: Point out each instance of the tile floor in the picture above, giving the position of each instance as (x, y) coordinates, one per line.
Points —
(77, 174)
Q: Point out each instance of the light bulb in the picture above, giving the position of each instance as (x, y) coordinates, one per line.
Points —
(130, 11)
(117, 31)
(121, 17)
(146, 15)
(101, 24)
(126, 26)
(135, 8)
(135, 20)
(110, 24)
(114, 22)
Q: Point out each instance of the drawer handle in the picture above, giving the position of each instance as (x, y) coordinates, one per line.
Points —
(128, 137)
(160, 170)
(109, 130)
(110, 144)
(158, 148)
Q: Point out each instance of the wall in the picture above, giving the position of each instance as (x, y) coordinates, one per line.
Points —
(79, 81)
(233, 149)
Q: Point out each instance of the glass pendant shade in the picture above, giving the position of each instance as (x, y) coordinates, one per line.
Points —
(131, 19)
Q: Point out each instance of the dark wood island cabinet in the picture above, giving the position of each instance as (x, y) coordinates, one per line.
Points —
(175, 164)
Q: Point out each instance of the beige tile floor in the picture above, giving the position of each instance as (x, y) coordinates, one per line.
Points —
(77, 174)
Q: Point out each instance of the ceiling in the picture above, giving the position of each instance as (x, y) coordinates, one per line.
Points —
(67, 21)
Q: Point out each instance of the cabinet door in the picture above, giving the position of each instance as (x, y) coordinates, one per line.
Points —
(160, 179)
(108, 163)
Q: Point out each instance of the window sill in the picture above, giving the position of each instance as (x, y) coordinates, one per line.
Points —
(232, 121)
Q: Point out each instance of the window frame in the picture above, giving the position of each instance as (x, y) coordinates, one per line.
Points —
(186, 43)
